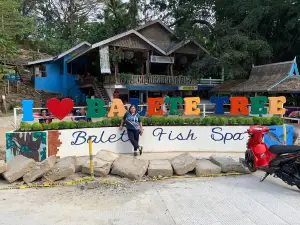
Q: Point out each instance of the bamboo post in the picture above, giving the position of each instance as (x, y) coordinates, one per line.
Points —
(91, 157)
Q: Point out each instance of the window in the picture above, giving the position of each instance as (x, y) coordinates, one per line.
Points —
(43, 71)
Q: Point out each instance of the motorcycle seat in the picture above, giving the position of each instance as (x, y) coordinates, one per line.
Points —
(283, 149)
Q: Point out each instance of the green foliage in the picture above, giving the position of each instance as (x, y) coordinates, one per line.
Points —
(25, 126)
(154, 121)
(53, 126)
(36, 127)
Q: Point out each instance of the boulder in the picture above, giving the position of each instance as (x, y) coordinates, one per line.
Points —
(3, 166)
(63, 168)
(101, 168)
(160, 168)
(130, 167)
(40, 169)
(183, 163)
(204, 167)
(79, 162)
(228, 164)
(107, 156)
(18, 167)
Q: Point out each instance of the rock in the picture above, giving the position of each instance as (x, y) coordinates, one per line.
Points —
(107, 156)
(79, 162)
(18, 167)
(40, 169)
(3, 166)
(228, 164)
(160, 168)
(101, 168)
(183, 163)
(204, 166)
(63, 168)
(130, 167)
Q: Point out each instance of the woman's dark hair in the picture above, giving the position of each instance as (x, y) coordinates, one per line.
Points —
(42, 110)
(131, 107)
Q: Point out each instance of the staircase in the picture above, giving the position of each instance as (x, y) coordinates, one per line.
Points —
(100, 92)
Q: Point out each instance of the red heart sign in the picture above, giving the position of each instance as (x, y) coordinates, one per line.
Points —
(60, 109)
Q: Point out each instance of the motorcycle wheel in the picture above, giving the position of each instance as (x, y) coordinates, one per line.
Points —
(249, 159)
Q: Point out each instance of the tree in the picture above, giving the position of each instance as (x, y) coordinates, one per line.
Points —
(13, 26)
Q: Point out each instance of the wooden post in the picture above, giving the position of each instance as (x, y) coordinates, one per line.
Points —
(148, 63)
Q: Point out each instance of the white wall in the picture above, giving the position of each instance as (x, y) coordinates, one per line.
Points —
(156, 139)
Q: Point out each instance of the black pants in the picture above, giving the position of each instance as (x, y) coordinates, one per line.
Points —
(134, 136)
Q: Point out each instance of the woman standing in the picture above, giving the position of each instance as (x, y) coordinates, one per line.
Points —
(134, 128)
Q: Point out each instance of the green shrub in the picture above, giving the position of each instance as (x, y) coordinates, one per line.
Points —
(156, 121)
(179, 121)
(266, 121)
(82, 124)
(36, 126)
(257, 120)
(276, 120)
(240, 120)
(248, 121)
(206, 121)
(214, 121)
(45, 126)
(222, 121)
(64, 125)
(232, 121)
(53, 126)
(72, 125)
(98, 124)
(25, 126)
(197, 121)
(115, 122)
(90, 125)
(106, 123)
(188, 121)
(170, 121)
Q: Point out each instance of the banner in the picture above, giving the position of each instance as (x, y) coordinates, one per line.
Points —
(104, 60)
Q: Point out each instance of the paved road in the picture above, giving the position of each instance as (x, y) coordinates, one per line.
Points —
(212, 201)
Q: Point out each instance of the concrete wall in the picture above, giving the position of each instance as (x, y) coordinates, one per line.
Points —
(211, 139)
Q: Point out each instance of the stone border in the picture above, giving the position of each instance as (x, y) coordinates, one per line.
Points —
(105, 162)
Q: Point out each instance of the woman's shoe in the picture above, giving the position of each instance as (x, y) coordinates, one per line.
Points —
(141, 150)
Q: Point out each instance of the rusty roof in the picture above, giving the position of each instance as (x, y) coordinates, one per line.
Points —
(265, 77)
(227, 86)
(291, 84)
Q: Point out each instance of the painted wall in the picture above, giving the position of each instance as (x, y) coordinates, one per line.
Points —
(59, 83)
(53, 81)
(64, 143)
(30, 144)
(165, 139)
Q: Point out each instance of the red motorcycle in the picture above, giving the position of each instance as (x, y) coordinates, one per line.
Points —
(279, 160)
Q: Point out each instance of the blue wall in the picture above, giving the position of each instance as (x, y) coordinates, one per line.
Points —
(52, 82)
(57, 83)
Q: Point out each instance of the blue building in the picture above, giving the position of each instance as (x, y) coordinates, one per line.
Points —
(53, 75)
